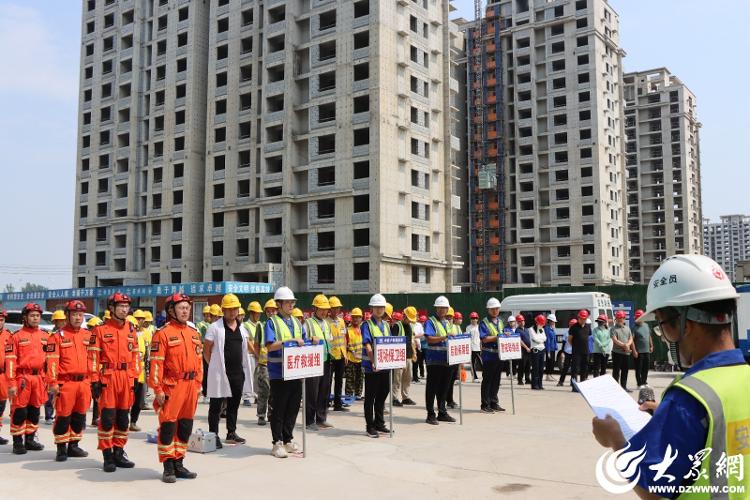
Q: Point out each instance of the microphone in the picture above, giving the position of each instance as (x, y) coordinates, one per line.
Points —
(646, 393)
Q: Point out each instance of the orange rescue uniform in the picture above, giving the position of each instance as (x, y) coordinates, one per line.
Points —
(68, 367)
(176, 370)
(113, 359)
(24, 369)
(4, 347)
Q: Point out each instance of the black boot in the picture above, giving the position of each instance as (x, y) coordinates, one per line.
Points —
(121, 459)
(109, 460)
(18, 447)
(3, 441)
(31, 444)
(181, 472)
(169, 474)
(74, 451)
(62, 452)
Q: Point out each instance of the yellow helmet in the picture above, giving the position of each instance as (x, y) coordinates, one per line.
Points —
(411, 314)
(94, 322)
(58, 315)
(389, 309)
(230, 301)
(270, 304)
(335, 302)
(254, 307)
(242, 312)
(147, 316)
(297, 313)
(107, 315)
(321, 302)
(356, 312)
(450, 313)
(206, 309)
(139, 314)
(216, 310)
(132, 320)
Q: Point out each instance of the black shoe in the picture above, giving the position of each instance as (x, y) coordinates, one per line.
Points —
(497, 408)
(169, 473)
(18, 447)
(74, 451)
(383, 429)
(261, 420)
(223, 415)
(528, 381)
(232, 437)
(396, 402)
(218, 443)
(415, 381)
(94, 422)
(181, 472)
(431, 420)
(109, 461)
(409, 402)
(3, 441)
(32, 444)
(485, 409)
(340, 408)
(520, 383)
(372, 433)
(121, 459)
(62, 452)
(444, 417)
(560, 384)
(452, 405)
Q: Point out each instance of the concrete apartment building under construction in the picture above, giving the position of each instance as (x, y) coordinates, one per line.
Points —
(306, 143)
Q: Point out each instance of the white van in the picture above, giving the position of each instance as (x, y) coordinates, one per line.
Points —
(564, 305)
(743, 320)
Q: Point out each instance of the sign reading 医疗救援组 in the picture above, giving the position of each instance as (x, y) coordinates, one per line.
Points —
(302, 361)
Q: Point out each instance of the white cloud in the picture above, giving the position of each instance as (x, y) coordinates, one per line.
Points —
(30, 61)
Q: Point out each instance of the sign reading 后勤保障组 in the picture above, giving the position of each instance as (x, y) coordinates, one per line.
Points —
(459, 349)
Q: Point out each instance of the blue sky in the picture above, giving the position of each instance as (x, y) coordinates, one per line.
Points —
(704, 46)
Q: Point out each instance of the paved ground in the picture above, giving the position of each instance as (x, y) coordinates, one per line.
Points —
(545, 450)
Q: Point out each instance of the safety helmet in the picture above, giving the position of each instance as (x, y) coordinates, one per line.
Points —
(458, 316)
(132, 320)
(284, 293)
(572, 322)
(411, 314)
(138, 314)
(551, 317)
(175, 299)
(473, 315)
(588, 321)
(335, 302)
(230, 301)
(389, 309)
(206, 309)
(75, 306)
(540, 320)
(347, 318)
(423, 319)
(94, 322)
(58, 315)
(216, 310)
(493, 303)
(242, 312)
(3, 313)
(441, 301)
(118, 298)
(686, 280)
(270, 304)
(511, 319)
(519, 318)
(356, 312)
(107, 314)
(368, 316)
(583, 314)
(377, 300)
(297, 313)
(254, 307)
(638, 313)
(620, 315)
(321, 302)
(397, 316)
(450, 313)
(147, 316)
(31, 307)
(602, 318)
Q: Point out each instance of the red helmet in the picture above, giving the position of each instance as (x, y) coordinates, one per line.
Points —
(620, 315)
(572, 322)
(75, 306)
(473, 315)
(540, 320)
(176, 298)
(3, 313)
(118, 298)
(423, 319)
(397, 316)
(638, 313)
(31, 307)
(348, 318)
(458, 316)
(519, 318)
(583, 314)
(368, 316)
(602, 318)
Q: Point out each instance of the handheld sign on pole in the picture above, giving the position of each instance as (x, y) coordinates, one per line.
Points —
(509, 348)
(389, 353)
(459, 352)
(301, 362)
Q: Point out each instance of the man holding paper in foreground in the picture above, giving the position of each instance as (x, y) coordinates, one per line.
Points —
(700, 432)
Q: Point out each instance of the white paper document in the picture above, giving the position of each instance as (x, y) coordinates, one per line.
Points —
(605, 397)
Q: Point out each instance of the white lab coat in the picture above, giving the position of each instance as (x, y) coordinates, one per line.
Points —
(476, 343)
(218, 382)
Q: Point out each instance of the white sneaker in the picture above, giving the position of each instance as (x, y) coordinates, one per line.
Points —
(292, 448)
(278, 450)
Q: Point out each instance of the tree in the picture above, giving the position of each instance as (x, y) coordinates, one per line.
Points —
(33, 287)
(9, 288)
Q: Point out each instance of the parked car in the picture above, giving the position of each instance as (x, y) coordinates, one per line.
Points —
(13, 321)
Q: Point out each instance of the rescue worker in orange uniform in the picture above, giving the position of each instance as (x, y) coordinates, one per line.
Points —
(68, 381)
(113, 358)
(24, 369)
(4, 339)
(176, 375)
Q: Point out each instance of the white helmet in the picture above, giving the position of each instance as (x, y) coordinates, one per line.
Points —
(441, 301)
(551, 317)
(377, 300)
(284, 293)
(588, 321)
(685, 280)
(493, 303)
(511, 319)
